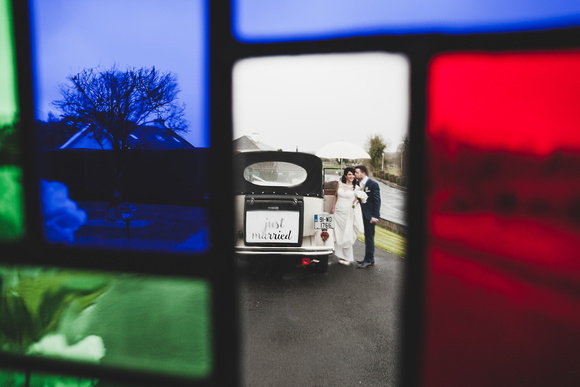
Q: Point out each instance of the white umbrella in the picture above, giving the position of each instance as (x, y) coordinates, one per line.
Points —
(342, 150)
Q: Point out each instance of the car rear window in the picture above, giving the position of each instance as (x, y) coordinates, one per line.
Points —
(275, 173)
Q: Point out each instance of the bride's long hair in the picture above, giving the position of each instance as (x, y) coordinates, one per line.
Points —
(343, 178)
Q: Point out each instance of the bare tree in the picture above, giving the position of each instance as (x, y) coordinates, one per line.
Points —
(113, 103)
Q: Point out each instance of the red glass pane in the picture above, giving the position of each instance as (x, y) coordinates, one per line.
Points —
(503, 274)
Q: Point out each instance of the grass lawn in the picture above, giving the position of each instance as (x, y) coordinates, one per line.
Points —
(389, 241)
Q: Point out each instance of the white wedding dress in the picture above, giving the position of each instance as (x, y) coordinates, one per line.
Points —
(348, 222)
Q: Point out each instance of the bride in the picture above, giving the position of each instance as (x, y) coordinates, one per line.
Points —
(348, 222)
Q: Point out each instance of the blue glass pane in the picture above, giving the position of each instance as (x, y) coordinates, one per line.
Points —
(264, 20)
(74, 35)
(122, 125)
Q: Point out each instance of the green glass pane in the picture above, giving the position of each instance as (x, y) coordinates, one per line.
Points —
(11, 206)
(36, 379)
(8, 103)
(133, 321)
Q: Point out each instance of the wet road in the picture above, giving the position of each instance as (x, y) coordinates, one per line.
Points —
(340, 328)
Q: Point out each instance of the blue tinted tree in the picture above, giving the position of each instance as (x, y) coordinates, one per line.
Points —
(111, 104)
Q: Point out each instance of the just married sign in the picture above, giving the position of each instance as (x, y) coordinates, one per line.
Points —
(272, 226)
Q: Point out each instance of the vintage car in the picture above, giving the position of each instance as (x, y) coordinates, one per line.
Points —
(279, 204)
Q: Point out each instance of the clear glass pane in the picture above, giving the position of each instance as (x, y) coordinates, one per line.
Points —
(263, 20)
(11, 199)
(122, 123)
(136, 321)
(294, 293)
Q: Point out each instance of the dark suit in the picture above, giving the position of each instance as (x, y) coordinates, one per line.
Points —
(371, 209)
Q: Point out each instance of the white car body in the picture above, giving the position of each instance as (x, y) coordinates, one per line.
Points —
(279, 195)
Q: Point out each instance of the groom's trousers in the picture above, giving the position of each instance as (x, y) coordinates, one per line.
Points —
(369, 241)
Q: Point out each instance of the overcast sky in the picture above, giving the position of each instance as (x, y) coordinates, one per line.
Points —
(71, 35)
(308, 101)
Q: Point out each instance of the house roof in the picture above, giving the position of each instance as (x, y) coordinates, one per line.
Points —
(249, 143)
(144, 137)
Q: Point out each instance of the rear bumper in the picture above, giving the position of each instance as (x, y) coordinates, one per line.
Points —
(258, 250)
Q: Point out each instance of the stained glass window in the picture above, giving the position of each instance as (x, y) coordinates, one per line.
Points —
(492, 277)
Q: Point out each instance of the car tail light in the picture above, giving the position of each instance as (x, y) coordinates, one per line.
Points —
(306, 261)
(324, 235)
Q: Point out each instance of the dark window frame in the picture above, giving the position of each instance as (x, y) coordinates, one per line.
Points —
(216, 265)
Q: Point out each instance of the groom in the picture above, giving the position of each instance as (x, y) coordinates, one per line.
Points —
(371, 213)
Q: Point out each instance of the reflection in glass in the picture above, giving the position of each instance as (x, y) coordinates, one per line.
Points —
(148, 323)
(120, 121)
(11, 206)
